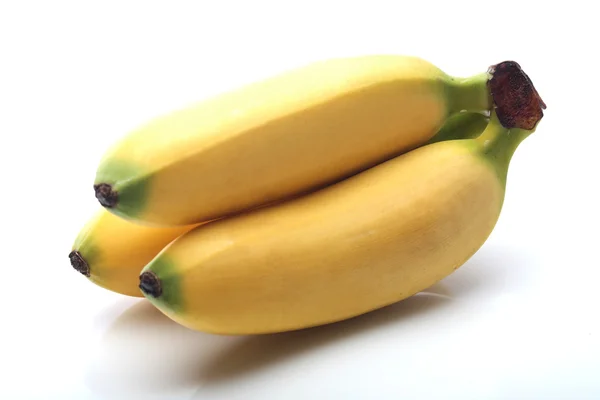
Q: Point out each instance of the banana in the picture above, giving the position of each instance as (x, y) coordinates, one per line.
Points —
(111, 251)
(361, 244)
(280, 138)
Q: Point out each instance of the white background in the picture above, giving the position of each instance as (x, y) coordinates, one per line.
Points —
(519, 321)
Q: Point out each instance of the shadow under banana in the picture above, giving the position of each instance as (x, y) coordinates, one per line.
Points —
(145, 353)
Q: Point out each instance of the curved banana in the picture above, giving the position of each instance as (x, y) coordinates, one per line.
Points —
(361, 244)
(111, 251)
(279, 138)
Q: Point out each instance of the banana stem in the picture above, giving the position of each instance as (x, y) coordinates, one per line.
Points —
(499, 143)
(469, 94)
(492, 133)
(506, 144)
(517, 110)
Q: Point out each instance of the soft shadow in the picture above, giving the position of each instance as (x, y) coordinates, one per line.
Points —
(254, 353)
(106, 317)
(486, 273)
(143, 353)
(491, 271)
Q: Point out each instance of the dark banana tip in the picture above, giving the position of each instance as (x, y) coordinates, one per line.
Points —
(150, 284)
(105, 195)
(79, 263)
(516, 101)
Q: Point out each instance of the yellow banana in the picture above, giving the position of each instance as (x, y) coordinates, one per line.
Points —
(279, 138)
(361, 244)
(111, 251)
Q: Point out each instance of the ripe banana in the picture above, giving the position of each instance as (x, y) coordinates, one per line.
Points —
(111, 251)
(361, 244)
(280, 138)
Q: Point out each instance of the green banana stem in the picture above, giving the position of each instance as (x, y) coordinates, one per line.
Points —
(498, 144)
(467, 125)
(517, 110)
(469, 94)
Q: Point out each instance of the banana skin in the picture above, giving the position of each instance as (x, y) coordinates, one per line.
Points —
(281, 137)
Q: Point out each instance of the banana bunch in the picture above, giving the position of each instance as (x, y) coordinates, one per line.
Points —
(308, 198)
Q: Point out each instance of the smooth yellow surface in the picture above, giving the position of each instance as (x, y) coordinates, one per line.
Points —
(364, 243)
(116, 250)
(279, 137)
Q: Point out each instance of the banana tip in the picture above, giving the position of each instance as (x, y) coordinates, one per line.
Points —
(516, 101)
(106, 195)
(78, 262)
(150, 284)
